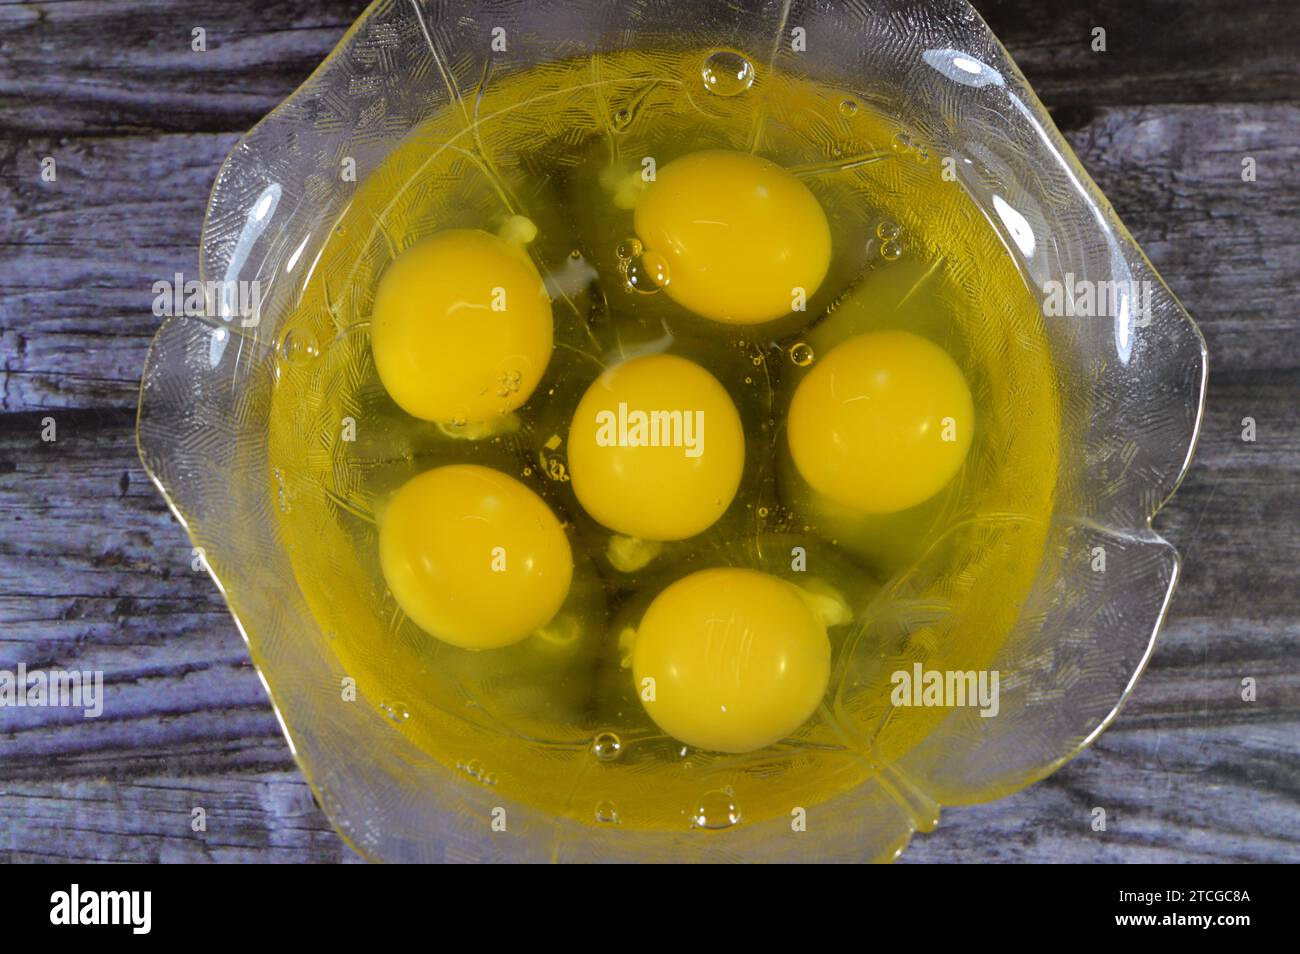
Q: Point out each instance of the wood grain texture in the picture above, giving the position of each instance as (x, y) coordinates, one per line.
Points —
(95, 573)
(96, 66)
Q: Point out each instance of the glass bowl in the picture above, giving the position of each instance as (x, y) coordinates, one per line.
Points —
(1131, 386)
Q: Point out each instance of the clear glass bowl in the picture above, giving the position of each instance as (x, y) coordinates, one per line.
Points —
(1132, 388)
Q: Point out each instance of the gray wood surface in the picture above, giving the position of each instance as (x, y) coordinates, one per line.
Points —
(95, 573)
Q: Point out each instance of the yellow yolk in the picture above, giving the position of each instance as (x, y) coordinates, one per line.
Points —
(740, 235)
(473, 556)
(461, 331)
(656, 448)
(882, 422)
(730, 660)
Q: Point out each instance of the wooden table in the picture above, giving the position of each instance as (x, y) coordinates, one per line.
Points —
(94, 571)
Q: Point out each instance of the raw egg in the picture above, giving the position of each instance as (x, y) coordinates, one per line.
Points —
(882, 422)
(656, 448)
(462, 328)
(474, 557)
(731, 660)
(741, 237)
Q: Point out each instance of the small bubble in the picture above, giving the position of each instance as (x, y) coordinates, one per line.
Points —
(716, 810)
(575, 254)
(628, 249)
(902, 142)
(848, 107)
(756, 360)
(726, 73)
(647, 273)
(606, 746)
(891, 251)
(459, 419)
(762, 511)
(887, 230)
(396, 711)
(299, 347)
(801, 353)
(622, 118)
(606, 813)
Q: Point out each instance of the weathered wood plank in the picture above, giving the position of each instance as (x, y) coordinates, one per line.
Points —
(80, 255)
(1194, 802)
(1172, 795)
(105, 67)
(1157, 51)
(264, 817)
(81, 67)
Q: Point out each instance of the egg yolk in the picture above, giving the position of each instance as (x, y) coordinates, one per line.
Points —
(740, 235)
(462, 329)
(474, 557)
(882, 422)
(730, 660)
(656, 448)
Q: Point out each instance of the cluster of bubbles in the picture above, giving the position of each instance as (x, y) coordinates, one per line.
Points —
(281, 494)
(475, 770)
(643, 271)
(905, 144)
(889, 233)
(508, 383)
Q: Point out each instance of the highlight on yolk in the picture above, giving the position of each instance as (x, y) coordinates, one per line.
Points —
(739, 234)
(882, 422)
(737, 658)
(656, 448)
(474, 557)
(462, 328)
